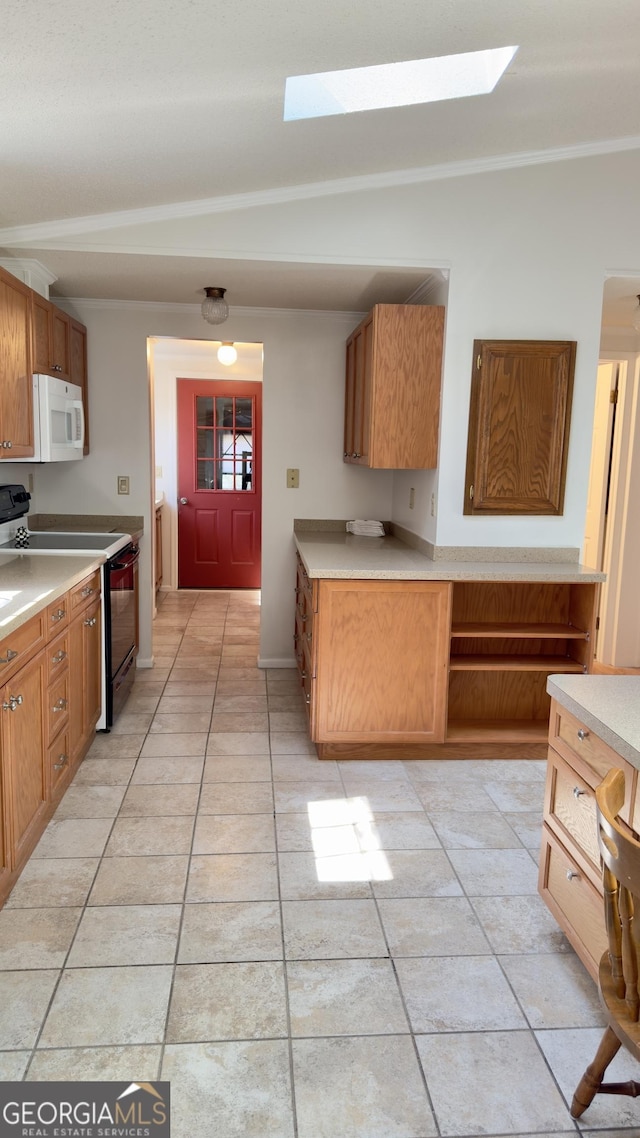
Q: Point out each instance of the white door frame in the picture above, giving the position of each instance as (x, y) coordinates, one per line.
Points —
(619, 633)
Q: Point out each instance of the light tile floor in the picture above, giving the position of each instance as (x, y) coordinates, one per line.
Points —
(305, 949)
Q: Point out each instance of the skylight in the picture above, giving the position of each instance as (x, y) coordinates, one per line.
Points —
(395, 84)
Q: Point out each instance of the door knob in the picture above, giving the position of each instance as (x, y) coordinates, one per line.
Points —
(184, 501)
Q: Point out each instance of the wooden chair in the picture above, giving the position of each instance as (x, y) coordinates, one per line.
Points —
(620, 966)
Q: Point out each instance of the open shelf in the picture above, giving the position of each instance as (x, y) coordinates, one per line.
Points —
(519, 631)
(497, 731)
(514, 664)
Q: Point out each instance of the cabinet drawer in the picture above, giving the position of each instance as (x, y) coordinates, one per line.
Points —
(57, 615)
(587, 754)
(570, 810)
(57, 656)
(574, 901)
(57, 706)
(59, 762)
(86, 591)
(21, 644)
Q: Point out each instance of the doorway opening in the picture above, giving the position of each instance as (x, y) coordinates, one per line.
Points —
(171, 359)
(612, 537)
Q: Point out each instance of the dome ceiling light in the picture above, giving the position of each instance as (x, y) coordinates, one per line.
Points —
(227, 353)
(214, 307)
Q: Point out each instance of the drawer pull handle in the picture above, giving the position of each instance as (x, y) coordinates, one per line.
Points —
(90, 623)
(59, 657)
(12, 702)
(62, 759)
(87, 591)
(59, 614)
(11, 655)
(307, 699)
(571, 873)
(582, 735)
(577, 792)
(60, 705)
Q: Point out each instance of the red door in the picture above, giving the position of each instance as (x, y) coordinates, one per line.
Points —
(219, 484)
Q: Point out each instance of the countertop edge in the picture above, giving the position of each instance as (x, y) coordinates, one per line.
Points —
(65, 571)
(607, 726)
(354, 558)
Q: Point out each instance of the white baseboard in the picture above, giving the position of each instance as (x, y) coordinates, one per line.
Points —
(144, 662)
(277, 662)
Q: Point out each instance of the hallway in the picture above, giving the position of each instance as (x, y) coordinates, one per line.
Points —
(304, 949)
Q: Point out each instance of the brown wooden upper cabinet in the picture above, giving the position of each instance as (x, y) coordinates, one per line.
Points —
(16, 385)
(51, 338)
(392, 395)
(519, 426)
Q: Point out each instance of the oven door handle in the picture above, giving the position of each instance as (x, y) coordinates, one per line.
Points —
(131, 560)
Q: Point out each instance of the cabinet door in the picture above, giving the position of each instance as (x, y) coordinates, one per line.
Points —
(24, 754)
(5, 862)
(381, 661)
(358, 395)
(519, 426)
(41, 333)
(85, 677)
(59, 343)
(157, 549)
(16, 390)
(78, 369)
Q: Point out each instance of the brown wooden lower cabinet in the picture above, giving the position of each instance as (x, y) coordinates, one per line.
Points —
(50, 673)
(436, 669)
(85, 678)
(570, 875)
(22, 738)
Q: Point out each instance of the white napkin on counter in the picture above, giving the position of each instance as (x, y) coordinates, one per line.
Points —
(365, 527)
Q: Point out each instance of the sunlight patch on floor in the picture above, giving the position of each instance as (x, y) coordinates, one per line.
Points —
(345, 841)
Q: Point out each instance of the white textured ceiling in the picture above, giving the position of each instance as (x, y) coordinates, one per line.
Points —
(110, 105)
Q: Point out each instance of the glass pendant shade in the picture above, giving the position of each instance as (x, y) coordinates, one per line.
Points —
(636, 316)
(214, 307)
(227, 353)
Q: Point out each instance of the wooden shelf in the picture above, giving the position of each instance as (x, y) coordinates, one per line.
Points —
(514, 664)
(520, 631)
(497, 731)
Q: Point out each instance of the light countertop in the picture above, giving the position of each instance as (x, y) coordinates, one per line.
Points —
(608, 705)
(30, 583)
(346, 556)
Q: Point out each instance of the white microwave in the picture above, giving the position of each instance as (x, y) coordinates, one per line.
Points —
(58, 420)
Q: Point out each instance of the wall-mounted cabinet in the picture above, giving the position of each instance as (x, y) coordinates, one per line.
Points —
(78, 369)
(392, 391)
(519, 426)
(51, 338)
(16, 390)
(35, 337)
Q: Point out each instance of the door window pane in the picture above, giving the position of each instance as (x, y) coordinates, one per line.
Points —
(225, 447)
(206, 475)
(204, 410)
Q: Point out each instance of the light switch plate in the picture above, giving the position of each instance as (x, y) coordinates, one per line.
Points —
(293, 478)
(123, 484)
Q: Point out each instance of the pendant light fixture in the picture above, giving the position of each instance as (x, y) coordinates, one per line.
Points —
(227, 353)
(214, 307)
(636, 316)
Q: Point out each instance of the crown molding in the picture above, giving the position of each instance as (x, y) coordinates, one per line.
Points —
(31, 272)
(146, 215)
(194, 309)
